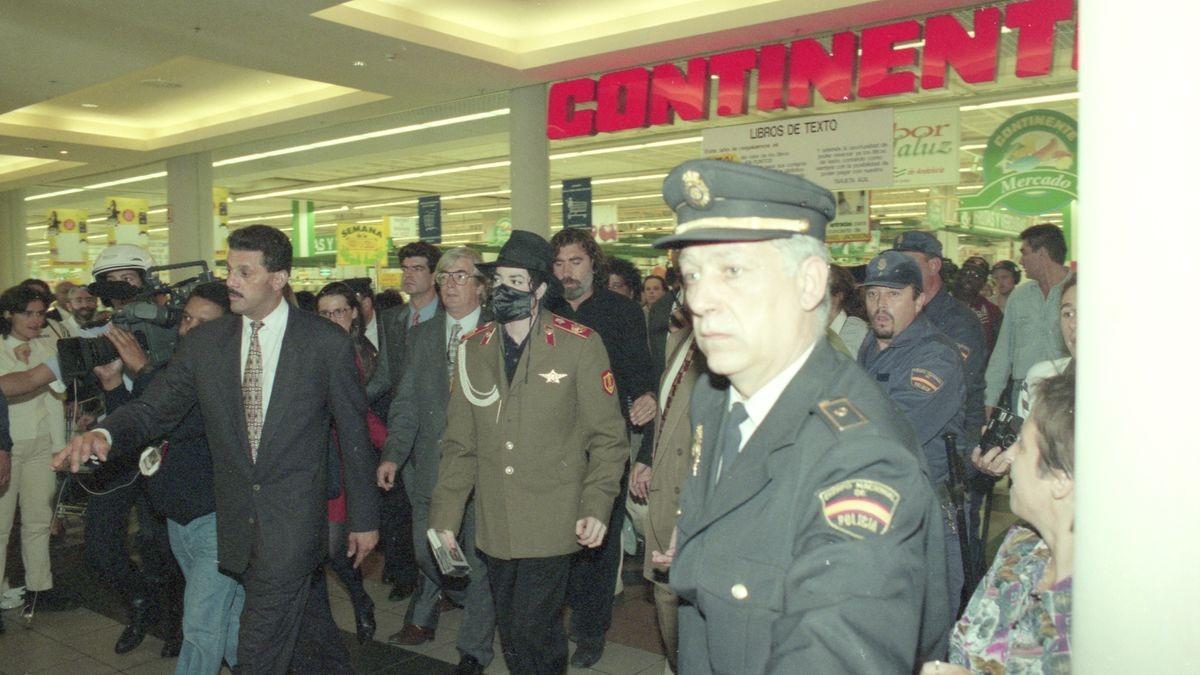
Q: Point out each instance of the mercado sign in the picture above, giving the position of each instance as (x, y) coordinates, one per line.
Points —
(1029, 166)
(885, 59)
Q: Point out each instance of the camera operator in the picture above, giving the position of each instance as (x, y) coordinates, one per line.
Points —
(182, 491)
(120, 272)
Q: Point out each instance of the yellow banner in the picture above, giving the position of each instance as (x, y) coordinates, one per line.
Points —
(66, 230)
(361, 243)
(389, 278)
(127, 221)
(220, 222)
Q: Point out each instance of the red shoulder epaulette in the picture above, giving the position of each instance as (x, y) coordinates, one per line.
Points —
(477, 331)
(576, 329)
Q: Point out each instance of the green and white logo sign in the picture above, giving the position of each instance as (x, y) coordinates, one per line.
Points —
(1029, 165)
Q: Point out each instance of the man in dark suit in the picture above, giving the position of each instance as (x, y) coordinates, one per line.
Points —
(269, 381)
(415, 425)
(810, 536)
(418, 260)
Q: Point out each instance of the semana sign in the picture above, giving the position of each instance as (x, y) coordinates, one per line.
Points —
(1029, 166)
(891, 59)
(361, 244)
(847, 150)
(925, 147)
(127, 221)
(66, 230)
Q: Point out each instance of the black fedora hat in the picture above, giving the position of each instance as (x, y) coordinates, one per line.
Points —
(528, 251)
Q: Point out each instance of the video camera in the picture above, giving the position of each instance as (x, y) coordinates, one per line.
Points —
(151, 323)
(1000, 431)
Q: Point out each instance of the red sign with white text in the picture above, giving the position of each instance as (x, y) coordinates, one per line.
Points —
(788, 74)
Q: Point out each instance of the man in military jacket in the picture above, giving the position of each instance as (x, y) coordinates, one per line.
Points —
(533, 427)
(809, 539)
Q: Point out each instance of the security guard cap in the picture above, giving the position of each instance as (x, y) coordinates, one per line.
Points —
(919, 241)
(714, 201)
(893, 269)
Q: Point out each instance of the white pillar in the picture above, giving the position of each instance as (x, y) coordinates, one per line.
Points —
(529, 150)
(1137, 591)
(189, 192)
(14, 263)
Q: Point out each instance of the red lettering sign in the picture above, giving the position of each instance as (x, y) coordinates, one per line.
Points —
(788, 74)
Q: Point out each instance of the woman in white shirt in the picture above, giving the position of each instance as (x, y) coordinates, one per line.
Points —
(38, 430)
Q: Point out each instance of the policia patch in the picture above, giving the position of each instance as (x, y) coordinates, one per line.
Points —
(859, 507)
(923, 379)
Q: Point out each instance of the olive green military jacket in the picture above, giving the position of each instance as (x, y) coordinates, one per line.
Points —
(541, 453)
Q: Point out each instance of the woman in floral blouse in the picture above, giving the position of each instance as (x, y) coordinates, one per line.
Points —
(1019, 619)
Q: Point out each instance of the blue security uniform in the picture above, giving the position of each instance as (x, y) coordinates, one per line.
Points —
(922, 372)
(957, 322)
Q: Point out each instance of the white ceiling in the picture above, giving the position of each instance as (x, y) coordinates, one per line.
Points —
(259, 75)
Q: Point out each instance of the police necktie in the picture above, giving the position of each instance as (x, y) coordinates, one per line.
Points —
(452, 349)
(731, 438)
(252, 391)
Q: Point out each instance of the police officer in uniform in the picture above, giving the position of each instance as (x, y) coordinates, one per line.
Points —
(921, 370)
(533, 427)
(810, 537)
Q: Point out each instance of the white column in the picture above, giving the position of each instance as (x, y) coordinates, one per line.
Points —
(189, 192)
(529, 150)
(14, 263)
(1137, 591)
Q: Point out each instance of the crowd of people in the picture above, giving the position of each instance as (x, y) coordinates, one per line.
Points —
(808, 451)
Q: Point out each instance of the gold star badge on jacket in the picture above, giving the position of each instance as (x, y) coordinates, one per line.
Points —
(553, 377)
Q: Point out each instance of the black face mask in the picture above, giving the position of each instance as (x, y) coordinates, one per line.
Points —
(510, 304)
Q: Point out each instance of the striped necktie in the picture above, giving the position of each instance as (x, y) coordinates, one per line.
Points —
(452, 348)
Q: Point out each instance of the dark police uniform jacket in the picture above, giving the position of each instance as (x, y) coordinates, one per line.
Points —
(821, 550)
(922, 372)
(959, 323)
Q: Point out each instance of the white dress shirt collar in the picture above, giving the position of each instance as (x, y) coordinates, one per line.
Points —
(760, 404)
(468, 323)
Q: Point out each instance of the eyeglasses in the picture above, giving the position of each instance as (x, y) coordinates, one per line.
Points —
(409, 269)
(459, 278)
(334, 313)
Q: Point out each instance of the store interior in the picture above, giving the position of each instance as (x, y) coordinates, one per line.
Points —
(376, 155)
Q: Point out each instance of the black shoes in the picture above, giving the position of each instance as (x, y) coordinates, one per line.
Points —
(364, 621)
(172, 647)
(587, 654)
(140, 612)
(469, 665)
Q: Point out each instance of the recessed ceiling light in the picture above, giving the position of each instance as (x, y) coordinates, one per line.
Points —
(359, 64)
(89, 105)
(64, 152)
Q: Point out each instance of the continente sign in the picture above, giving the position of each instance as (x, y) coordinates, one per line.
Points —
(1029, 165)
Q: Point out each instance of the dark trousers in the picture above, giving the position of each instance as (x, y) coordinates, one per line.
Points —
(343, 566)
(528, 595)
(105, 551)
(287, 625)
(593, 579)
(395, 533)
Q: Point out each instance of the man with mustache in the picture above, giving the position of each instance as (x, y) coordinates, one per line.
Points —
(920, 369)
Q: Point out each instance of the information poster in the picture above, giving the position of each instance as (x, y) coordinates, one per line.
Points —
(853, 219)
(604, 217)
(838, 152)
(429, 213)
(577, 202)
(127, 221)
(361, 244)
(220, 211)
(403, 227)
(390, 278)
(925, 147)
(66, 231)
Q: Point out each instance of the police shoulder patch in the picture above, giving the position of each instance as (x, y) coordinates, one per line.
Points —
(859, 507)
(841, 414)
(923, 379)
(576, 329)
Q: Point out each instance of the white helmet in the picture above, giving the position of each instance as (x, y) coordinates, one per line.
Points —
(122, 257)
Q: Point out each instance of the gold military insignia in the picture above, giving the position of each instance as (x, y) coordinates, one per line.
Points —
(841, 414)
(696, 190)
(697, 447)
(859, 507)
(576, 329)
(881, 264)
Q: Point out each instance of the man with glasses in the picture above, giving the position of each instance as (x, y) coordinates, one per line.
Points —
(417, 260)
(534, 430)
(416, 422)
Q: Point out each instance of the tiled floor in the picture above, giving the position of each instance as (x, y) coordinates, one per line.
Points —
(80, 641)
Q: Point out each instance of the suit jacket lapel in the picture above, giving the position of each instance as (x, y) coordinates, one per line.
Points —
(288, 363)
(750, 473)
